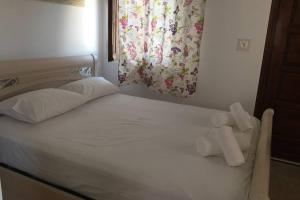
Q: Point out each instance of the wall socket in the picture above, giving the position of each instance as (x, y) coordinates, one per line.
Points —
(243, 44)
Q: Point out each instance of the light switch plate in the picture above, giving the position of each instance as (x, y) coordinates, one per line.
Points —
(243, 44)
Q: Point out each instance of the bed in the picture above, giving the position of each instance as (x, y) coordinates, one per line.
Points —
(124, 147)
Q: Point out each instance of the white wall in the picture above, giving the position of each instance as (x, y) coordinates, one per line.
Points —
(226, 75)
(34, 29)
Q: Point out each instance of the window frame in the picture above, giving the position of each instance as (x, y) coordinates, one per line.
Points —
(110, 31)
(113, 30)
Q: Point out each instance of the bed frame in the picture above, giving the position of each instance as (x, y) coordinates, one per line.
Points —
(21, 76)
(260, 183)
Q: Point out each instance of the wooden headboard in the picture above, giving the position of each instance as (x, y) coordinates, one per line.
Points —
(19, 76)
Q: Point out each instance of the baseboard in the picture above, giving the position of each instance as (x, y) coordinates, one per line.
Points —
(285, 161)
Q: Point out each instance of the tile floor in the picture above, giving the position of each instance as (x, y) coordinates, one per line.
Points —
(285, 181)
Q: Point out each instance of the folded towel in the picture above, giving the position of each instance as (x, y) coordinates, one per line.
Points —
(241, 117)
(222, 119)
(230, 147)
(207, 144)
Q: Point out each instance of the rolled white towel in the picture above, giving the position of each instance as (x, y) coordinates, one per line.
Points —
(207, 144)
(222, 119)
(241, 117)
(230, 147)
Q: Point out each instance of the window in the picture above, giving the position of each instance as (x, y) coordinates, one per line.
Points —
(112, 30)
(159, 43)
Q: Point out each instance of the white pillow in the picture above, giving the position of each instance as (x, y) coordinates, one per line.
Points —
(92, 88)
(39, 105)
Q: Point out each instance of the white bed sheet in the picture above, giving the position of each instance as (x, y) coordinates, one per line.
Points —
(122, 147)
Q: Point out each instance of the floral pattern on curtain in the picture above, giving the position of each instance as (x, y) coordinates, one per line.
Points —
(160, 44)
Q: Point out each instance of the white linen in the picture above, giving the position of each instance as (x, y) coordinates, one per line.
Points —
(1, 197)
(241, 117)
(207, 144)
(92, 87)
(222, 119)
(124, 147)
(39, 105)
(229, 145)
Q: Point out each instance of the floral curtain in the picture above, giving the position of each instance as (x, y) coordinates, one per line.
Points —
(160, 44)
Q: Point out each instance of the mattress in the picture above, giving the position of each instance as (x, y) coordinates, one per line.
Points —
(124, 147)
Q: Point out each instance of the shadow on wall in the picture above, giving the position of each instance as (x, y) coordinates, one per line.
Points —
(35, 29)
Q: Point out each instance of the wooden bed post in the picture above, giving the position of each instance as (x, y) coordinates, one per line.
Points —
(259, 189)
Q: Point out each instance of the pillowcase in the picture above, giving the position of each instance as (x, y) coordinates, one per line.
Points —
(39, 105)
(92, 88)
